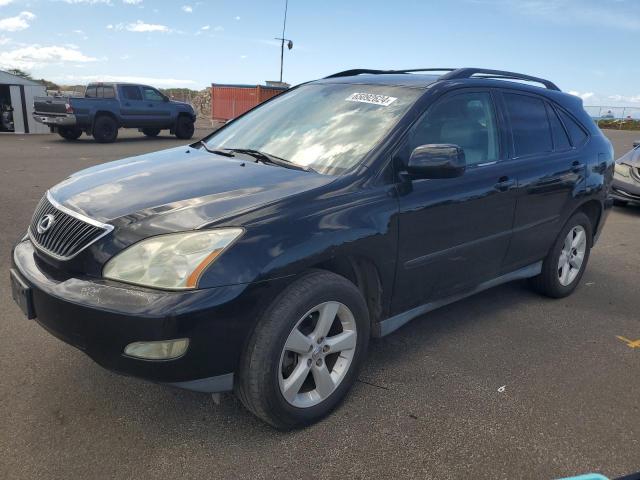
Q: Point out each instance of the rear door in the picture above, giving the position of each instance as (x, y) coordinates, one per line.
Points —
(132, 106)
(454, 233)
(550, 169)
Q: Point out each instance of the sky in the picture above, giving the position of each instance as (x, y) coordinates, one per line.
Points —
(587, 47)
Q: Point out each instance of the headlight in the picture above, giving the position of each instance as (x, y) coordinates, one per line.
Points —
(622, 169)
(174, 261)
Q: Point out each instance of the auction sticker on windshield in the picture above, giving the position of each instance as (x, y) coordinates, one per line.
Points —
(372, 98)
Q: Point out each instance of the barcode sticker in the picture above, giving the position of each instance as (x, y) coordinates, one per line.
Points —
(382, 100)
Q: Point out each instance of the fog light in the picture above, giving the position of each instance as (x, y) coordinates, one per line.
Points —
(162, 350)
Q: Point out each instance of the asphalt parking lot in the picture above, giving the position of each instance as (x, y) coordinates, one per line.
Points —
(429, 403)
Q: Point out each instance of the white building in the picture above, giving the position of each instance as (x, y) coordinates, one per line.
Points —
(17, 93)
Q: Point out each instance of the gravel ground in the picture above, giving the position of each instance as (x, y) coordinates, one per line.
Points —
(429, 403)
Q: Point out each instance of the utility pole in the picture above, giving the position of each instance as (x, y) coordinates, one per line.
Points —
(282, 39)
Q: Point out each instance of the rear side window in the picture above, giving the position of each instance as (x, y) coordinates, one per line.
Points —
(109, 93)
(560, 137)
(529, 123)
(131, 93)
(91, 92)
(576, 132)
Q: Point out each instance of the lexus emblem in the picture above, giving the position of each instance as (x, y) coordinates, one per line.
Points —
(45, 223)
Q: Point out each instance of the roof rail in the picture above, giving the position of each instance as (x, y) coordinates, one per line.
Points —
(359, 71)
(497, 74)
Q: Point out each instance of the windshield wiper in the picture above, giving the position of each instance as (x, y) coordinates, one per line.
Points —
(267, 158)
(225, 153)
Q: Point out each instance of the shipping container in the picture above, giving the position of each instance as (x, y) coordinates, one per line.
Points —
(229, 101)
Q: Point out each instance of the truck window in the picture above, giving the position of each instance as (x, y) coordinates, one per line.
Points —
(92, 92)
(109, 92)
(152, 95)
(529, 123)
(131, 92)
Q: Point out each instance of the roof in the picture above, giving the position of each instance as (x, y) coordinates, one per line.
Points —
(423, 77)
(7, 78)
(243, 85)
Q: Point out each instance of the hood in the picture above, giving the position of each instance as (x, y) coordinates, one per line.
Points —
(631, 158)
(189, 186)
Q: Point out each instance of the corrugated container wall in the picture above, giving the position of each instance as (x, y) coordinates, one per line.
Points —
(229, 101)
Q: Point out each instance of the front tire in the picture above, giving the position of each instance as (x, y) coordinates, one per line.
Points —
(305, 352)
(567, 260)
(184, 128)
(105, 130)
(69, 133)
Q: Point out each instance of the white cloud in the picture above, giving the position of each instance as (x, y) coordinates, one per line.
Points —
(584, 96)
(218, 28)
(159, 82)
(4, 40)
(89, 2)
(187, 9)
(17, 23)
(132, 2)
(206, 27)
(5, 2)
(139, 27)
(237, 18)
(35, 56)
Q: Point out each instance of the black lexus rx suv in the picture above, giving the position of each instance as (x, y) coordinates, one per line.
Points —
(263, 258)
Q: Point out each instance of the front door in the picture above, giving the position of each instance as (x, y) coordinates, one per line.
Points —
(158, 110)
(454, 233)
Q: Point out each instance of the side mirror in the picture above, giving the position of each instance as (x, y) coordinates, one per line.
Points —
(437, 161)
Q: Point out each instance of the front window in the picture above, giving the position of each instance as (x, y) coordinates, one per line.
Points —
(329, 128)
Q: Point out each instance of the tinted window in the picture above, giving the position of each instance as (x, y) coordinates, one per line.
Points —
(152, 94)
(560, 138)
(91, 92)
(576, 133)
(131, 92)
(100, 91)
(109, 93)
(529, 123)
(467, 120)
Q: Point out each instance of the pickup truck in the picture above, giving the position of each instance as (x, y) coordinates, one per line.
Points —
(107, 107)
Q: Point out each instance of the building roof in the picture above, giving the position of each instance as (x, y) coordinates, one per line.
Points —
(8, 79)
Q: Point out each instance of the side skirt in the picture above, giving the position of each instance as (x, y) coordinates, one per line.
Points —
(391, 324)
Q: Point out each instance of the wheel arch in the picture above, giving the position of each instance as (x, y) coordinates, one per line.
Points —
(104, 113)
(592, 209)
(363, 273)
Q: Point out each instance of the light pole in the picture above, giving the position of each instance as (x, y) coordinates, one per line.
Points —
(282, 39)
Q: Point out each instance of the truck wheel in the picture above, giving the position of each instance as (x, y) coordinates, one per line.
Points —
(69, 133)
(105, 130)
(305, 351)
(184, 128)
(565, 263)
(151, 132)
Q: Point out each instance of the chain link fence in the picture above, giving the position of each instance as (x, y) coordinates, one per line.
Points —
(620, 118)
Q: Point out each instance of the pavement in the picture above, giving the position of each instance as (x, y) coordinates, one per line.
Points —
(502, 385)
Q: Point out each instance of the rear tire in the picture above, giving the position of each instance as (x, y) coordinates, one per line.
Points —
(567, 260)
(105, 129)
(184, 128)
(151, 132)
(280, 351)
(69, 133)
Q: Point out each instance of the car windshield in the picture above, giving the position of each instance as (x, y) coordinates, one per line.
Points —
(326, 127)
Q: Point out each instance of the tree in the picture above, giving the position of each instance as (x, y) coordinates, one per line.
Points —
(20, 73)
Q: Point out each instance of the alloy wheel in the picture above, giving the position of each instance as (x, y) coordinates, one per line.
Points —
(572, 255)
(317, 354)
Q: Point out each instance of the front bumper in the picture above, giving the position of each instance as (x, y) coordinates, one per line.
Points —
(101, 317)
(66, 120)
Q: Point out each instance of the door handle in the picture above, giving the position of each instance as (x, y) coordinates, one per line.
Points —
(577, 167)
(504, 184)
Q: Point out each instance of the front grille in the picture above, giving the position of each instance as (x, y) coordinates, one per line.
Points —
(68, 233)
